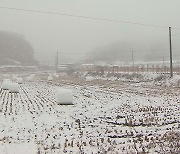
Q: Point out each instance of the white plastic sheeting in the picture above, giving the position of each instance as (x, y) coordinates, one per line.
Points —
(89, 78)
(64, 96)
(13, 87)
(19, 80)
(6, 83)
(50, 78)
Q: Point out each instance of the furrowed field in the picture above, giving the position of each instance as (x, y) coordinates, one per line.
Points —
(107, 116)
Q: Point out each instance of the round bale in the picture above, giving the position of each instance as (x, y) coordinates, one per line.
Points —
(50, 78)
(64, 96)
(89, 78)
(6, 83)
(13, 88)
(19, 80)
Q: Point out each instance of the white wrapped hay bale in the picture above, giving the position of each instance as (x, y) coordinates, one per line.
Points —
(7, 80)
(89, 78)
(50, 78)
(19, 80)
(13, 88)
(29, 78)
(32, 75)
(62, 74)
(64, 96)
(14, 77)
(56, 75)
(6, 83)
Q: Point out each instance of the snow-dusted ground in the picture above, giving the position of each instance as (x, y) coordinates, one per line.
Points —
(107, 117)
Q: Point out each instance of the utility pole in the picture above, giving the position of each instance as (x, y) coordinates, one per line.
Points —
(57, 60)
(170, 46)
(44, 63)
(133, 57)
(163, 62)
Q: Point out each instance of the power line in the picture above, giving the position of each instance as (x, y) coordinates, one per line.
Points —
(158, 57)
(176, 35)
(84, 17)
(78, 53)
(119, 53)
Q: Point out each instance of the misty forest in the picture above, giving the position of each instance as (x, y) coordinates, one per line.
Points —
(89, 77)
(15, 49)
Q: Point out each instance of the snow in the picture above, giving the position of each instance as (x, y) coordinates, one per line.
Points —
(56, 75)
(89, 78)
(23, 148)
(175, 80)
(107, 116)
(30, 77)
(64, 96)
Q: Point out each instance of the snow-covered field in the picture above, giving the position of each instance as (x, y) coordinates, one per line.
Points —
(107, 116)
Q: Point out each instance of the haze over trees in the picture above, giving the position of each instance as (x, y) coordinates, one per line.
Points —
(113, 52)
(15, 49)
(122, 51)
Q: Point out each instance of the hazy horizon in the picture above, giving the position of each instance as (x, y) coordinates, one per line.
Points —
(76, 36)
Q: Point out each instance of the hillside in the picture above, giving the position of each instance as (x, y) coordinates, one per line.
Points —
(15, 49)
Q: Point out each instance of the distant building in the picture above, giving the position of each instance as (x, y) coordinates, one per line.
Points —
(17, 68)
(65, 68)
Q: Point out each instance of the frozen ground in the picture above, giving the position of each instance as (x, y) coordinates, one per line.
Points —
(107, 117)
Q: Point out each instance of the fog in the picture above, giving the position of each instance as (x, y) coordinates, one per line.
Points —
(74, 37)
(89, 76)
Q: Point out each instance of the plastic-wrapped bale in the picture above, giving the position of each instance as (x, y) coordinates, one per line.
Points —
(13, 88)
(64, 96)
(19, 80)
(6, 83)
(29, 78)
(32, 75)
(50, 78)
(7, 80)
(63, 74)
(89, 78)
(14, 77)
(56, 75)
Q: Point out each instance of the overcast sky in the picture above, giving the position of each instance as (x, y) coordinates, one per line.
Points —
(51, 33)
